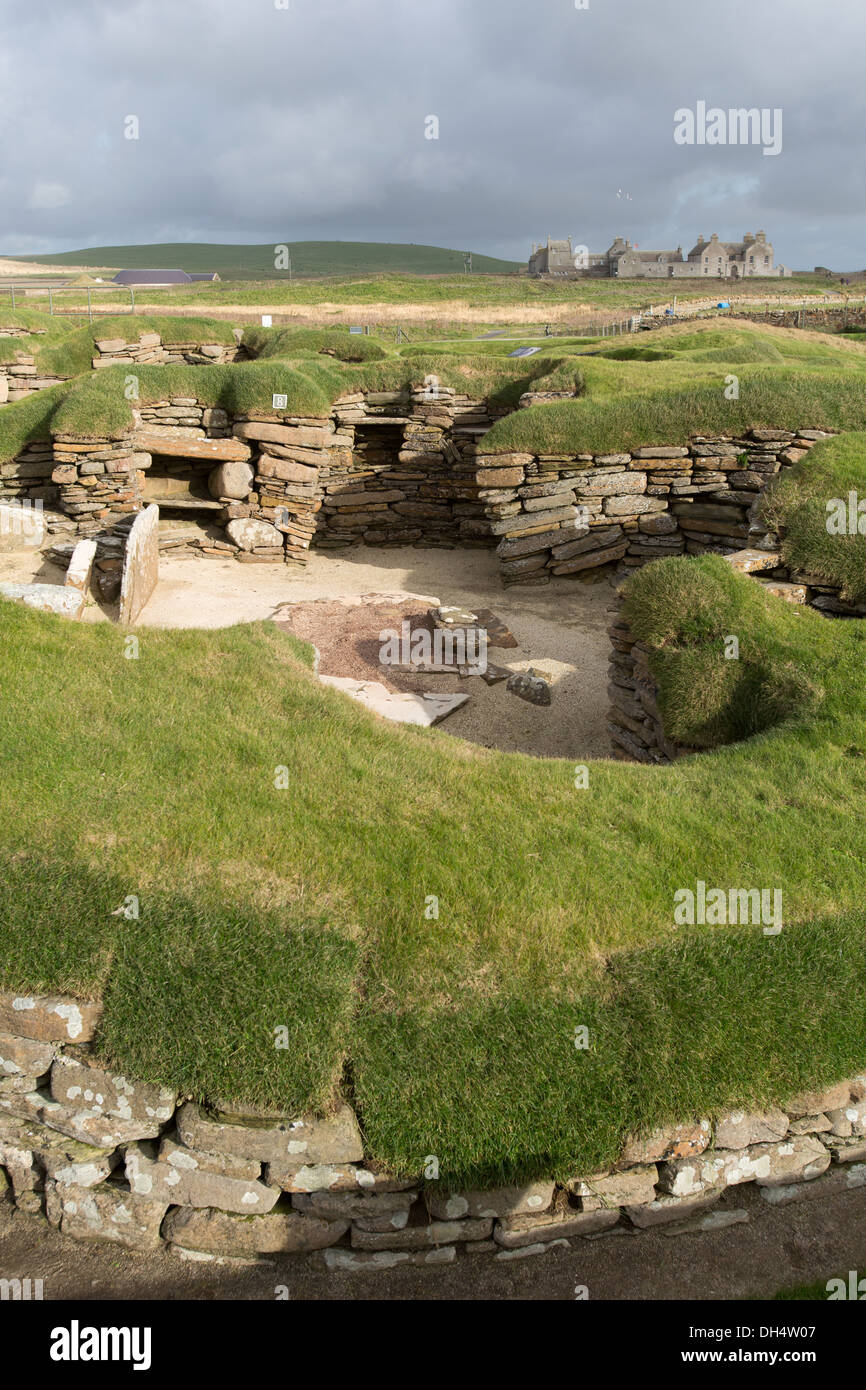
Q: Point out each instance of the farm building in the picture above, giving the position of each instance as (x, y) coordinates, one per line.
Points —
(157, 279)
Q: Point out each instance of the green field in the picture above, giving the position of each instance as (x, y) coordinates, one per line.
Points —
(305, 908)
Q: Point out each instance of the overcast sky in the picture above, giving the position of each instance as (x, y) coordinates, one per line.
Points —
(259, 123)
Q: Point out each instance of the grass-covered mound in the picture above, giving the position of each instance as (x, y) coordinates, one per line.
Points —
(307, 908)
(811, 504)
(66, 347)
(299, 342)
(706, 697)
(719, 378)
(95, 405)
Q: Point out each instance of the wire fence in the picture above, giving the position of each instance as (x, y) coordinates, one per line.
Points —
(29, 290)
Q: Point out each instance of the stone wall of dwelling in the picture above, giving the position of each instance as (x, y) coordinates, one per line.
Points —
(382, 468)
(149, 348)
(405, 470)
(104, 1157)
(29, 475)
(557, 514)
(400, 469)
(634, 723)
(22, 377)
(633, 720)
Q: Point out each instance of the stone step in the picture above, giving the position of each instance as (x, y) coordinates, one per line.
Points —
(748, 561)
(791, 593)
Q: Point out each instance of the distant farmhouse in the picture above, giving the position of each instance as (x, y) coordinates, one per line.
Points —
(159, 279)
(731, 260)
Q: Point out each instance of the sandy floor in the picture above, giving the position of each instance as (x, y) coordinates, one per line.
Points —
(560, 628)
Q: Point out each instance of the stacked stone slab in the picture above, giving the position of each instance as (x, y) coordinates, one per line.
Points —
(98, 480)
(566, 514)
(406, 475)
(633, 719)
(105, 1157)
(29, 474)
(149, 348)
(398, 468)
(22, 377)
(294, 454)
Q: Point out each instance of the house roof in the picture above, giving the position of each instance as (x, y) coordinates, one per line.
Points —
(651, 255)
(152, 277)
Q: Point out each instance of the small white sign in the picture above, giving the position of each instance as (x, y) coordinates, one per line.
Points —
(281, 402)
(267, 321)
(356, 330)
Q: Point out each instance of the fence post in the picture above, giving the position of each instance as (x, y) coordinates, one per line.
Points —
(89, 307)
(13, 296)
(50, 302)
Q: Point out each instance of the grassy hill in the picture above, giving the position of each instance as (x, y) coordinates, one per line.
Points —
(257, 262)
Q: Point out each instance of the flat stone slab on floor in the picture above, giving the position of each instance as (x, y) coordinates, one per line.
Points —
(47, 598)
(422, 710)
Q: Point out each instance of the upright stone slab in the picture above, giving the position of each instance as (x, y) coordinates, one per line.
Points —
(140, 565)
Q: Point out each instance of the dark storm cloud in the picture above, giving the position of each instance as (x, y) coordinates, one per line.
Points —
(259, 123)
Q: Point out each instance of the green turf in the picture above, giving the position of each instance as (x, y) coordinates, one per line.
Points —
(785, 378)
(806, 500)
(306, 908)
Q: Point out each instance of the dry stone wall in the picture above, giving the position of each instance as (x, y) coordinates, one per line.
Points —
(392, 468)
(22, 377)
(102, 1156)
(149, 348)
(558, 514)
(405, 473)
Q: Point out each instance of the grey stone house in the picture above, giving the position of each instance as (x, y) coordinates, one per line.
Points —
(729, 260)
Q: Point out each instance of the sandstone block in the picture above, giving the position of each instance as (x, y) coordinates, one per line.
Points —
(24, 1056)
(738, 1129)
(333, 1140)
(48, 1018)
(612, 484)
(522, 1232)
(793, 1160)
(628, 1188)
(194, 1187)
(419, 1237)
(672, 1141)
(249, 534)
(234, 480)
(499, 1202)
(75, 1082)
(140, 565)
(391, 1208)
(106, 1212)
(226, 1233)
